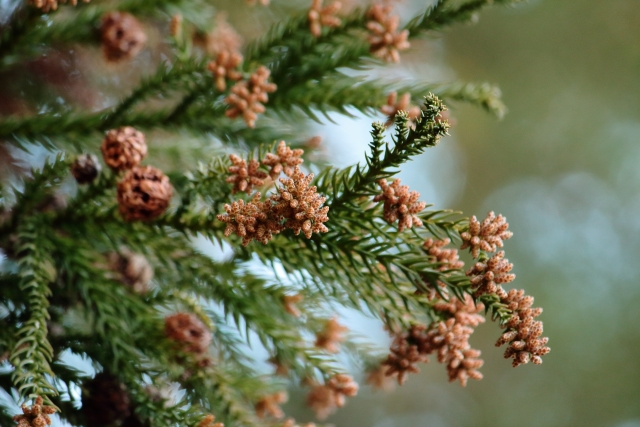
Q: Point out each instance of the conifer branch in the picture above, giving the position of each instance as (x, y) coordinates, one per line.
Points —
(32, 353)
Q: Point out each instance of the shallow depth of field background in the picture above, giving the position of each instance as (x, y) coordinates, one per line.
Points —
(562, 166)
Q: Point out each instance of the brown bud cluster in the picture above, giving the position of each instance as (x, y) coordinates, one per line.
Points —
(449, 339)
(270, 405)
(251, 221)
(325, 399)
(188, 331)
(36, 416)
(523, 332)
(122, 36)
(323, 16)
(243, 176)
(448, 259)
(225, 67)
(300, 205)
(384, 38)
(395, 105)
(144, 194)
(48, 5)
(487, 277)
(400, 204)
(487, 235)
(284, 160)
(295, 205)
(248, 96)
(123, 148)
(404, 355)
(331, 336)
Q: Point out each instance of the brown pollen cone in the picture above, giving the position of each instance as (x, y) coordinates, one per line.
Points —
(189, 331)
(284, 160)
(122, 36)
(244, 176)
(331, 336)
(323, 16)
(144, 194)
(35, 416)
(123, 148)
(270, 405)
(384, 38)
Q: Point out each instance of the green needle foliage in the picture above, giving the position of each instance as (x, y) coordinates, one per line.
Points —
(103, 264)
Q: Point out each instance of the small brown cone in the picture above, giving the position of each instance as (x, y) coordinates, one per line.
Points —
(86, 168)
(188, 330)
(123, 148)
(144, 194)
(122, 36)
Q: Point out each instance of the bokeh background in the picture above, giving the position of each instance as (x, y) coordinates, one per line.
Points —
(563, 166)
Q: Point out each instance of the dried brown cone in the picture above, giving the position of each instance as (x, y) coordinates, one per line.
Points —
(86, 168)
(106, 401)
(384, 38)
(133, 269)
(188, 331)
(395, 105)
(400, 204)
(122, 36)
(331, 336)
(487, 235)
(487, 277)
(248, 96)
(123, 148)
(270, 405)
(523, 333)
(144, 193)
(48, 5)
(285, 160)
(209, 421)
(243, 176)
(300, 205)
(35, 416)
(323, 16)
(251, 220)
(225, 67)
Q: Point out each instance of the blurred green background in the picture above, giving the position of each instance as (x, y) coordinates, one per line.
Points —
(563, 166)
